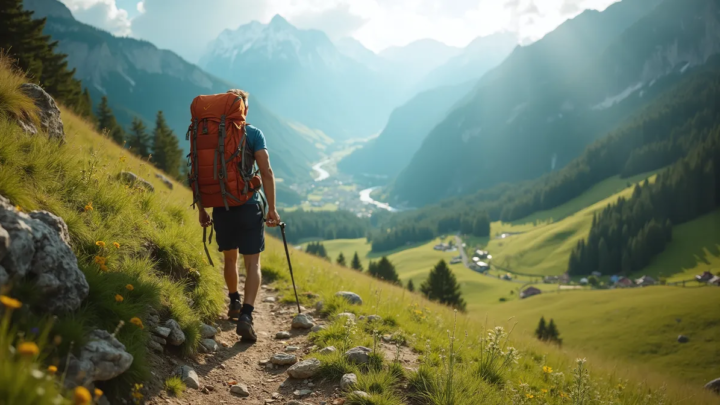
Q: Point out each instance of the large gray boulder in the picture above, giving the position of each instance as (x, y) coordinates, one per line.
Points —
(134, 180)
(714, 386)
(47, 111)
(350, 297)
(304, 369)
(358, 355)
(102, 358)
(38, 250)
(164, 180)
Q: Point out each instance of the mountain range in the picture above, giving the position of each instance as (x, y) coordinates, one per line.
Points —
(304, 77)
(139, 79)
(547, 101)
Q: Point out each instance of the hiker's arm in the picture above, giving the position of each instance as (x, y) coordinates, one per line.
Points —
(268, 180)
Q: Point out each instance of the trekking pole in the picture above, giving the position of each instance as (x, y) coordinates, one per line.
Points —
(292, 277)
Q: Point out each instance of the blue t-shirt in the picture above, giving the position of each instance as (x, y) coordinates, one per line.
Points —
(255, 142)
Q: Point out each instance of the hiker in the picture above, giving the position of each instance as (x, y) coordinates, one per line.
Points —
(224, 151)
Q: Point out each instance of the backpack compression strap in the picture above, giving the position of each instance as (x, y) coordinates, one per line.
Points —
(207, 252)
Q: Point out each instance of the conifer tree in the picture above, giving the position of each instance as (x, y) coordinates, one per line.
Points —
(138, 139)
(541, 330)
(552, 333)
(166, 150)
(107, 122)
(356, 264)
(442, 286)
(384, 270)
(410, 286)
(341, 260)
(22, 38)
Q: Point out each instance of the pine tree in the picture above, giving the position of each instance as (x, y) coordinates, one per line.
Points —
(356, 264)
(441, 285)
(138, 139)
(552, 333)
(166, 150)
(107, 122)
(410, 286)
(541, 330)
(384, 270)
(341, 260)
(481, 226)
(22, 38)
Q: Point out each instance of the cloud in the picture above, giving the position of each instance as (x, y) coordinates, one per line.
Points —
(570, 8)
(187, 26)
(103, 14)
(336, 22)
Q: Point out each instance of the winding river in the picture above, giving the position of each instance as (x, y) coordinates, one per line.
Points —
(322, 173)
(365, 197)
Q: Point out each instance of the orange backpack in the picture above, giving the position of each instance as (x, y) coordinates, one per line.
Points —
(221, 166)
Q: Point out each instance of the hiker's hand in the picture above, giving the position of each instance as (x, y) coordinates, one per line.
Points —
(204, 218)
(273, 218)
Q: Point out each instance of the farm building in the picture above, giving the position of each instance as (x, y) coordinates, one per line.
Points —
(529, 292)
(714, 281)
(624, 282)
(645, 281)
(705, 277)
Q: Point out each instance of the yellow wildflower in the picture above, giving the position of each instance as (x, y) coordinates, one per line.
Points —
(11, 303)
(28, 349)
(19, 208)
(100, 260)
(547, 369)
(100, 243)
(82, 396)
(119, 298)
(117, 245)
(136, 321)
(129, 287)
(98, 393)
(103, 267)
(52, 369)
(620, 387)
(122, 159)
(544, 391)
(89, 207)
(529, 396)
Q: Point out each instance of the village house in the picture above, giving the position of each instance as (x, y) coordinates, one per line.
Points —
(529, 292)
(705, 277)
(623, 282)
(645, 281)
(714, 281)
(551, 279)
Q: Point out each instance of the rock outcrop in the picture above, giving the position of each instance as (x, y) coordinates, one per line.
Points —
(164, 180)
(134, 180)
(35, 247)
(350, 297)
(102, 358)
(48, 113)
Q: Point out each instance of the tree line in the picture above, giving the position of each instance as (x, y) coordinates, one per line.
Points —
(325, 225)
(22, 39)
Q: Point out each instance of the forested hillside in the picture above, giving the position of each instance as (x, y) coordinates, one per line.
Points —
(678, 125)
(540, 108)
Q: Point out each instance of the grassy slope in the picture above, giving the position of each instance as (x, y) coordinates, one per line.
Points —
(312, 273)
(545, 248)
(638, 326)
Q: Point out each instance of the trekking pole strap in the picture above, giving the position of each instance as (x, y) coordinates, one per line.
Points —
(287, 253)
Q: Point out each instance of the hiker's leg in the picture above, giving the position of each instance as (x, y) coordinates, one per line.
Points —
(252, 278)
(230, 270)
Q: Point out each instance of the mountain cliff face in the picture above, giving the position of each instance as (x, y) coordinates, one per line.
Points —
(140, 79)
(540, 108)
(303, 76)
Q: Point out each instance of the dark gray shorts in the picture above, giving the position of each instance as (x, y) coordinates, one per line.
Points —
(240, 228)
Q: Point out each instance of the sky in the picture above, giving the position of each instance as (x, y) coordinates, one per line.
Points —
(187, 26)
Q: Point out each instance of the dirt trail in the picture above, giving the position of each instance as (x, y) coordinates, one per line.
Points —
(241, 362)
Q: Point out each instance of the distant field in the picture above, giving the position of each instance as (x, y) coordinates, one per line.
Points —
(308, 207)
(544, 249)
(638, 325)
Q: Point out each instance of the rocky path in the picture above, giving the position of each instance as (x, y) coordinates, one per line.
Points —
(240, 372)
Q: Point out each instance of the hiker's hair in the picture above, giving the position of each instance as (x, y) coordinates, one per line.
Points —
(241, 93)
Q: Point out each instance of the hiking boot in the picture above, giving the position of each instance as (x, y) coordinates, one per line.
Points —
(234, 310)
(245, 328)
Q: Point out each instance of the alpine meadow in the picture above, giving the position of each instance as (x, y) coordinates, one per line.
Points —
(360, 203)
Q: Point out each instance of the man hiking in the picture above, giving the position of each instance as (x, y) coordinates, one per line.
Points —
(224, 151)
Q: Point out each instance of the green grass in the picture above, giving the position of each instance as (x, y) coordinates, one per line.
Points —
(308, 207)
(631, 326)
(174, 386)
